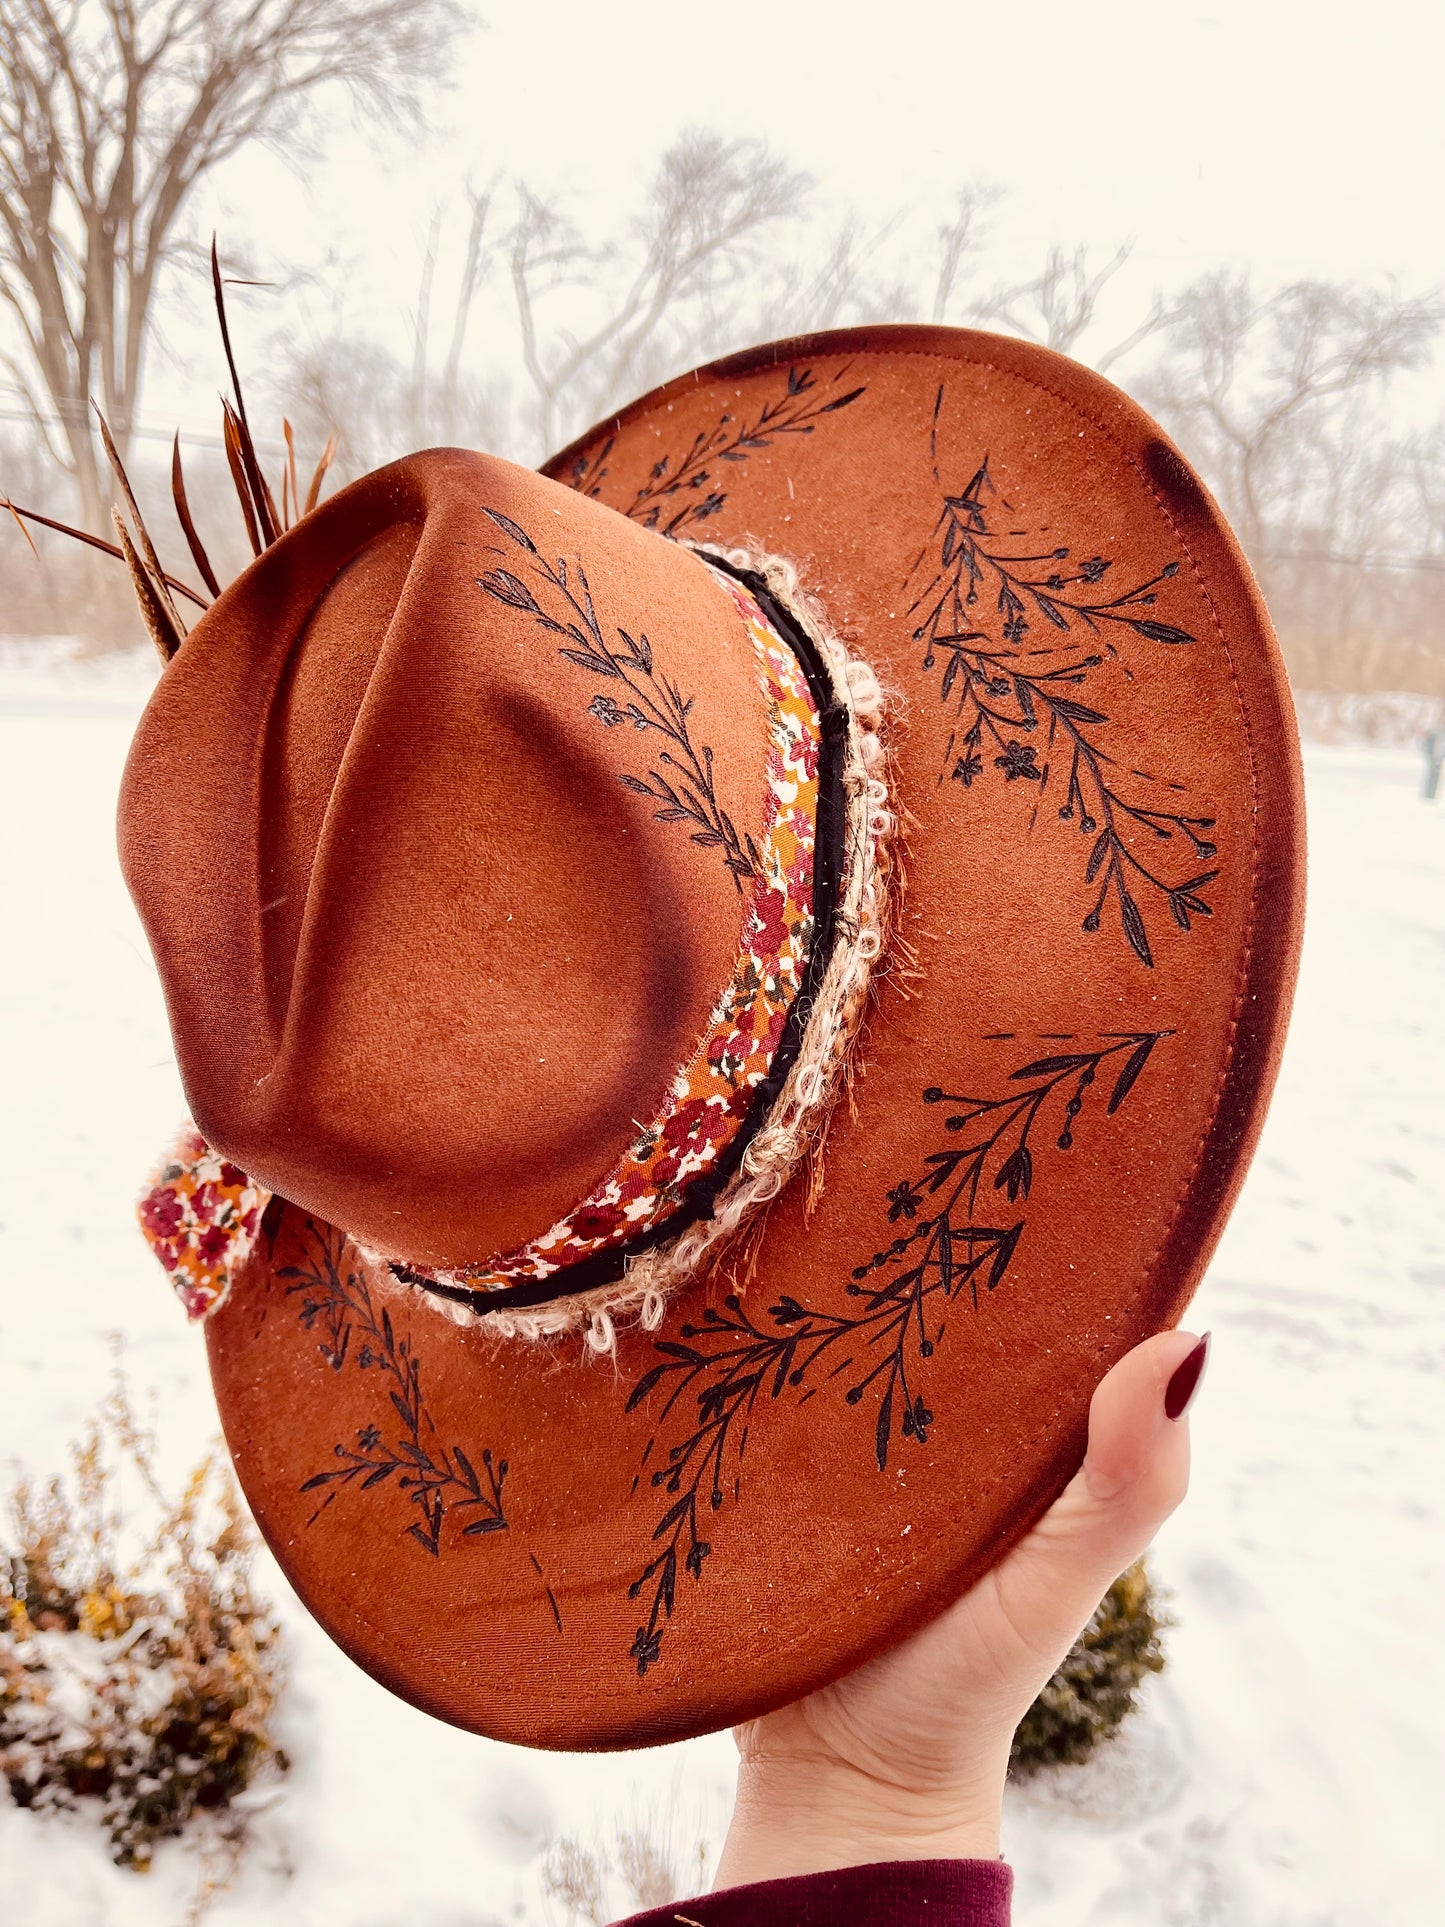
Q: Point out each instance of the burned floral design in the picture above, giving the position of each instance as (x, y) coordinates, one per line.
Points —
(1004, 622)
(903, 1201)
(607, 711)
(1019, 760)
(399, 1454)
(723, 1372)
(685, 489)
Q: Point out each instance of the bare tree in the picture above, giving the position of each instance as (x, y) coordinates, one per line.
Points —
(727, 248)
(859, 273)
(649, 295)
(480, 207)
(355, 386)
(822, 277)
(958, 238)
(1424, 467)
(1277, 397)
(111, 112)
(1258, 390)
(1060, 304)
(589, 318)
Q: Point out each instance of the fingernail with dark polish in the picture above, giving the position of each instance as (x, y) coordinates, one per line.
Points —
(1179, 1392)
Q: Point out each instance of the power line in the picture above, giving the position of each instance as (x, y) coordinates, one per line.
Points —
(190, 438)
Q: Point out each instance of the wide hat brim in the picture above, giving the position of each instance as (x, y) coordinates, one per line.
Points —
(1062, 1078)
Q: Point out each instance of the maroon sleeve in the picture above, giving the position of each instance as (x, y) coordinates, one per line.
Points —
(898, 1893)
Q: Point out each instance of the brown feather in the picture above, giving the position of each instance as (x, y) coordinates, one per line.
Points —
(6, 503)
(147, 547)
(188, 527)
(263, 503)
(288, 479)
(264, 523)
(220, 294)
(156, 616)
(265, 507)
(272, 516)
(238, 475)
(313, 494)
(94, 542)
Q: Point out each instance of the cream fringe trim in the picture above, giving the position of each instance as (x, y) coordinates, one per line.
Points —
(798, 1121)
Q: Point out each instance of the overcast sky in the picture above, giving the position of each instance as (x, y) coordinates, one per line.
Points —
(1301, 139)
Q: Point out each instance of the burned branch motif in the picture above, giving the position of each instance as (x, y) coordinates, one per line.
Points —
(643, 698)
(730, 1364)
(337, 1304)
(685, 489)
(1012, 710)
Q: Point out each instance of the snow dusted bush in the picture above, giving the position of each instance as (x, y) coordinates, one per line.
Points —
(1096, 1688)
(137, 1675)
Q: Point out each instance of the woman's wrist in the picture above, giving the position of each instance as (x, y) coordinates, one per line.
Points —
(798, 1816)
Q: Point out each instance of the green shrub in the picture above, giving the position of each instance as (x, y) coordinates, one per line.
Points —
(139, 1687)
(1096, 1688)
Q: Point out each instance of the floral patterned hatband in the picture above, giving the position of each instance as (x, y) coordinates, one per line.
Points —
(201, 1213)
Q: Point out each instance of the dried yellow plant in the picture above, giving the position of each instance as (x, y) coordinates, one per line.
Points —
(139, 1671)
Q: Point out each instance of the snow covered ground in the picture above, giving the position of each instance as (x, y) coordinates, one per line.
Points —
(1287, 1771)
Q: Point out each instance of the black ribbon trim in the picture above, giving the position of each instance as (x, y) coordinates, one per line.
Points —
(606, 1267)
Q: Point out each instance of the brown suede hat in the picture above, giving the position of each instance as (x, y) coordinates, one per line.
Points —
(721, 987)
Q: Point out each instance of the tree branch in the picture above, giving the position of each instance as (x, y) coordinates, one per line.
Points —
(114, 112)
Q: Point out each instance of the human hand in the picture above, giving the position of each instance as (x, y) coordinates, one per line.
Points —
(905, 1758)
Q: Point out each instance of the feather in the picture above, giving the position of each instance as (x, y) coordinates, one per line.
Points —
(147, 547)
(188, 527)
(161, 628)
(92, 542)
(238, 475)
(313, 494)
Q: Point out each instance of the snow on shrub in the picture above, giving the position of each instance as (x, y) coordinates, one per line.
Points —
(138, 1674)
(1097, 1687)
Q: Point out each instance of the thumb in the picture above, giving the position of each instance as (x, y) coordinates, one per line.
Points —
(1135, 1472)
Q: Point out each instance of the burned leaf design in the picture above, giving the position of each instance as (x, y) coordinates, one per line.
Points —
(725, 1371)
(397, 1451)
(680, 781)
(1004, 625)
(685, 489)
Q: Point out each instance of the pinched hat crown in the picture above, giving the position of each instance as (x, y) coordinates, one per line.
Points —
(485, 910)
